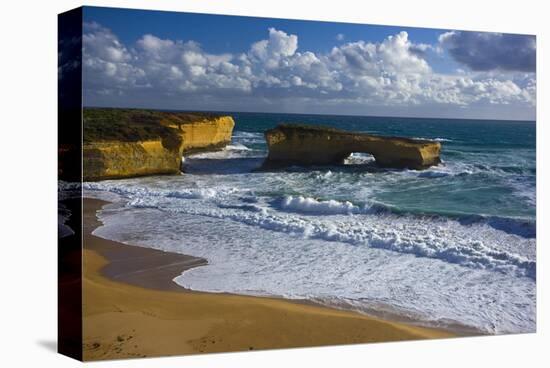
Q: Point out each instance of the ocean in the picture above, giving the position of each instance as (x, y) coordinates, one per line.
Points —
(450, 246)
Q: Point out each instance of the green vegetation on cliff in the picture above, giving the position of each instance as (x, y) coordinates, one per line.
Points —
(132, 125)
(297, 128)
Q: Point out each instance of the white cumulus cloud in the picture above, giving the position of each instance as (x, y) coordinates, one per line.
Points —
(274, 71)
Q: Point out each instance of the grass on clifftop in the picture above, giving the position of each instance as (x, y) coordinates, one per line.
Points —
(310, 127)
(131, 125)
(296, 128)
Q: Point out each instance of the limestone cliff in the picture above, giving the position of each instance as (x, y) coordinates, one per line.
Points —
(113, 160)
(205, 134)
(121, 143)
(291, 144)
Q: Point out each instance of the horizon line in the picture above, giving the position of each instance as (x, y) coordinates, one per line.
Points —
(303, 113)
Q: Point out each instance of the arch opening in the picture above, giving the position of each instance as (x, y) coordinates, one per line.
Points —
(359, 158)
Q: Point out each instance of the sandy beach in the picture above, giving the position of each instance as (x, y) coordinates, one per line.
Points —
(132, 308)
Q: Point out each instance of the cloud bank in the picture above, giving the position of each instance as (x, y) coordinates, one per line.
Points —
(275, 74)
(489, 51)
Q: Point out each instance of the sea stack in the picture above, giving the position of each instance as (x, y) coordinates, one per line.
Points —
(122, 143)
(296, 144)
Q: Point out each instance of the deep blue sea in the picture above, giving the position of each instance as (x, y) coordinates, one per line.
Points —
(453, 245)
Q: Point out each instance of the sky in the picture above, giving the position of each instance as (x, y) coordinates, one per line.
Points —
(186, 61)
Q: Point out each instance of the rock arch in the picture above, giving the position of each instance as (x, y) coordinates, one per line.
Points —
(292, 144)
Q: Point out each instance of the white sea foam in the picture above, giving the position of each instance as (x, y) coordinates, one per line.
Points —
(313, 206)
(248, 138)
(292, 262)
(241, 134)
(237, 147)
(523, 190)
(473, 246)
(143, 194)
(446, 169)
(437, 139)
(359, 158)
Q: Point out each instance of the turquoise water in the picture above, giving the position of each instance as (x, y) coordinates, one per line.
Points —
(489, 166)
(451, 245)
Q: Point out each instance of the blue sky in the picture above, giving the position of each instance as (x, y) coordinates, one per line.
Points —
(239, 32)
(213, 62)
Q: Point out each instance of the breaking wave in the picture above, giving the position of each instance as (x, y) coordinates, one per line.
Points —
(452, 241)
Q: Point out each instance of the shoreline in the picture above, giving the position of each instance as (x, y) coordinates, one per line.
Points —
(132, 308)
(134, 265)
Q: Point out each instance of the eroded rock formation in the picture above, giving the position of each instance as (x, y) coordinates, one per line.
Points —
(121, 143)
(291, 144)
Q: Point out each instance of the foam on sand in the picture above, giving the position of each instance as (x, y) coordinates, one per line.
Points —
(293, 260)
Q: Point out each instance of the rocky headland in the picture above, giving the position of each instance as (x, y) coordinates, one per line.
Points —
(293, 144)
(122, 143)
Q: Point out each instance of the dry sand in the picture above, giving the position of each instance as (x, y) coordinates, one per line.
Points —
(132, 308)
